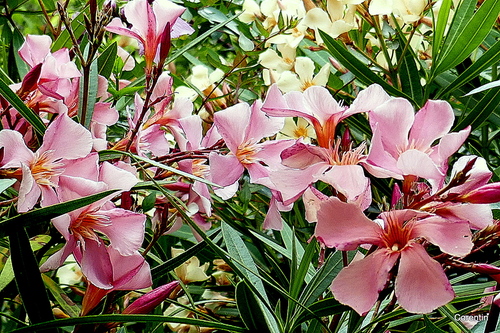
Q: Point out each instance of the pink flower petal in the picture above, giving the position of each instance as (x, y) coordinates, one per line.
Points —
(417, 163)
(67, 139)
(368, 99)
(35, 48)
(273, 217)
(344, 226)
(57, 259)
(225, 169)
(15, 151)
(96, 265)
(350, 180)
(291, 183)
(322, 105)
(260, 125)
(359, 284)
(432, 122)
(29, 191)
(478, 215)
(167, 11)
(452, 237)
(125, 231)
(232, 124)
(421, 284)
(116, 26)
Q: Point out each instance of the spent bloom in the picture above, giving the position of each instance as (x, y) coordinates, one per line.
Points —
(420, 284)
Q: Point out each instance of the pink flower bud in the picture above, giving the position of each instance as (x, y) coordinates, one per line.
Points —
(486, 194)
(147, 302)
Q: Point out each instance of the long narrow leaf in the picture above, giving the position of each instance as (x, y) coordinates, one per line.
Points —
(28, 114)
(106, 60)
(481, 111)
(362, 72)
(408, 74)
(113, 318)
(28, 278)
(440, 26)
(490, 57)
(471, 35)
(238, 250)
(87, 93)
(61, 298)
(250, 309)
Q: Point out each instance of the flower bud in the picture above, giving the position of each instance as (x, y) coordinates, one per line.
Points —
(147, 302)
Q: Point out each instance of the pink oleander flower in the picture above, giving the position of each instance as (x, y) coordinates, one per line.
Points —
(83, 227)
(64, 142)
(402, 140)
(307, 163)
(243, 127)
(149, 26)
(420, 284)
(320, 109)
(195, 194)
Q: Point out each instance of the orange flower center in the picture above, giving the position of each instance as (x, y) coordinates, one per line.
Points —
(246, 152)
(44, 167)
(397, 234)
(85, 225)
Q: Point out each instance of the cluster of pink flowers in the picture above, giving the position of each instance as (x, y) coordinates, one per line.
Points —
(105, 237)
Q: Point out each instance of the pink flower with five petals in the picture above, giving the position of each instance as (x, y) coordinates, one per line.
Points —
(64, 142)
(421, 284)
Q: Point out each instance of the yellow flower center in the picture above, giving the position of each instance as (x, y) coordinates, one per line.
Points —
(246, 152)
(44, 167)
(84, 226)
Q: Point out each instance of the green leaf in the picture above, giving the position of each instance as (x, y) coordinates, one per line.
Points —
(7, 274)
(87, 94)
(408, 73)
(61, 298)
(198, 39)
(482, 110)
(484, 87)
(322, 308)
(440, 26)
(6, 183)
(250, 309)
(114, 318)
(17, 42)
(161, 270)
(430, 327)
(106, 60)
(466, 34)
(362, 72)
(28, 114)
(238, 251)
(42, 215)
(28, 278)
(112, 154)
(489, 58)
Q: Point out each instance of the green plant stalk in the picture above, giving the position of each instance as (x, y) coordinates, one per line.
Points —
(392, 70)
